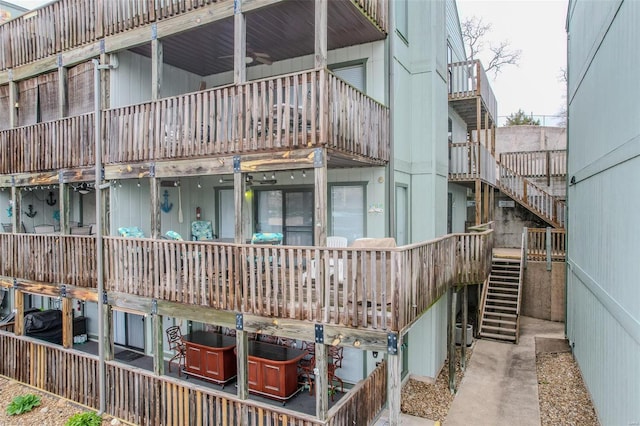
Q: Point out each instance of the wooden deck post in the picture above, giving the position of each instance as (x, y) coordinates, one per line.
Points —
(465, 318)
(242, 381)
(67, 322)
(107, 313)
(16, 201)
(394, 386)
(18, 304)
(156, 65)
(158, 339)
(321, 379)
(239, 187)
(451, 338)
(478, 194)
(320, 57)
(154, 201)
(320, 193)
(13, 99)
(63, 198)
(240, 43)
(486, 203)
(63, 104)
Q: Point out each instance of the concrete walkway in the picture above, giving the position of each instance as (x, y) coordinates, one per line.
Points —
(500, 386)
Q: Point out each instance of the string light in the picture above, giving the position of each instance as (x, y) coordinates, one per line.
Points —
(138, 183)
(199, 185)
(292, 178)
(273, 175)
(264, 176)
(304, 173)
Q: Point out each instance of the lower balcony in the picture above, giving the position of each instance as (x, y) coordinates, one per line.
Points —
(379, 290)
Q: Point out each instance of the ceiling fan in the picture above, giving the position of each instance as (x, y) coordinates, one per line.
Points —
(253, 56)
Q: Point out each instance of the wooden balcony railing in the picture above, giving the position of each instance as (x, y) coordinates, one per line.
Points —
(541, 241)
(536, 199)
(159, 400)
(362, 404)
(536, 163)
(65, 24)
(384, 289)
(52, 145)
(468, 79)
(283, 112)
(469, 161)
(57, 259)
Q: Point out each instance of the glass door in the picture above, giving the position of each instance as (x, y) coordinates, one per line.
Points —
(289, 212)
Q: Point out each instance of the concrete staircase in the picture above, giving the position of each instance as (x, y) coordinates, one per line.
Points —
(499, 317)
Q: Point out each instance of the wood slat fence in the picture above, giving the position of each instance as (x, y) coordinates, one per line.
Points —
(538, 244)
(65, 24)
(536, 163)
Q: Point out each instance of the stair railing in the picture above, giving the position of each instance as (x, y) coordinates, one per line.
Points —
(523, 254)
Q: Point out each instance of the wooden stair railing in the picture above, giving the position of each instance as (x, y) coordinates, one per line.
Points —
(546, 206)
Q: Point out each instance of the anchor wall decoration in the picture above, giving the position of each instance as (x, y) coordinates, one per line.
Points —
(51, 201)
(31, 212)
(165, 205)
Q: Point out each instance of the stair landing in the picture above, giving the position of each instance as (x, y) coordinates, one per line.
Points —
(507, 253)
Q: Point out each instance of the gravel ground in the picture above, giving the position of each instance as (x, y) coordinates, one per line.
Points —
(564, 400)
(563, 397)
(53, 411)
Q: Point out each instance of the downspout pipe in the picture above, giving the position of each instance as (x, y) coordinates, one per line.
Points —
(391, 175)
(97, 115)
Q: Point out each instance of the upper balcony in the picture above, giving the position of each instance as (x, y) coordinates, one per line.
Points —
(302, 110)
(90, 27)
(469, 88)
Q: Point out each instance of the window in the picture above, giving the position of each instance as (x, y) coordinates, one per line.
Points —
(402, 18)
(353, 73)
(287, 211)
(348, 211)
(226, 214)
(402, 215)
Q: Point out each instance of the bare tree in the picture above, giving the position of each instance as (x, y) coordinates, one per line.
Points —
(474, 33)
(562, 77)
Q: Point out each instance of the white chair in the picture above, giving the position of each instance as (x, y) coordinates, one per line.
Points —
(337, 242)
(80, 230)
(332, 242)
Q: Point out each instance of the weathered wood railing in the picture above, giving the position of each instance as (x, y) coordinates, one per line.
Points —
(64, 372)
(357, 123)
(536, 163)
(534, 198)
(65, 24)
(362, 404)
(52, 145)
(540, 240)
(359, 287)
(284, 112)
(135, 395)
(468, 79)
(469, 161)
(57, 259)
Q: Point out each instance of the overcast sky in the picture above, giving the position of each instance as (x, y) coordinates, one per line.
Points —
(537, 27)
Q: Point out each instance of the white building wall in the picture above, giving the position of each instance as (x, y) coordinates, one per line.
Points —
(603, 297)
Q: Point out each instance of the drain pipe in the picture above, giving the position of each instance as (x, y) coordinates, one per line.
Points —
(99, 249)
(391, 175)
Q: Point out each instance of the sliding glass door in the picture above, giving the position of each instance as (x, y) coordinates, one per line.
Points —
(287, 211)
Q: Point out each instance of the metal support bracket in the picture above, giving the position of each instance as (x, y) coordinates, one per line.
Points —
(105, 299)
(102, 174)
(154, 307)
(154, 31)
(10, 74)
(317, 158)
(152, 170)
(319, 333)
(102, 46)
(239, 322)
(236, 164)
(59, 60)
(63, 290)
(15, 283)
(236, 7)
(392, 343)
(13, 181)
